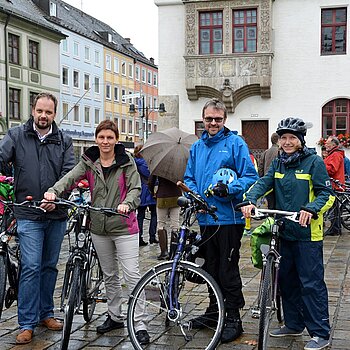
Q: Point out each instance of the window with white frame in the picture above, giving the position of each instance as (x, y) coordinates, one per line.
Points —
(116, 121)
(155, 79)
(123, 127)
(149, 77)
(75, 79)
(123, 68)
(130, 127)
(87, 53)
(130, 99)
(131, 70)
(97, 85)
(76, 49)
(86, 81)
(116, 93)
(123, 96)
(64, 44)
(116, 64)
(137, 73)
(65, 74)
(97, 116)
(154, 127)
(137, 127)
(143, 77)
(87, 115)
(15, 103)
(108, 91)
(97, 57)
(65, 111)
(155, 104)
(108, 62)
(76, 116)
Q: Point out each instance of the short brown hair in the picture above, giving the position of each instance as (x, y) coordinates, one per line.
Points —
(217, 104)
(107, 125)
(49, 96)
(137, 150)
(274, 138)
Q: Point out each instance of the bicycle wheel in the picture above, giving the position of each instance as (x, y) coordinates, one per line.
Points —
(92, 281)
(267, 307)
(151, 297)
(72, 304)
(329, 220)
(345, 214)
(3, 274)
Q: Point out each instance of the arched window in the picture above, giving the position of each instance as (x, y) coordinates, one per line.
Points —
(336, 117)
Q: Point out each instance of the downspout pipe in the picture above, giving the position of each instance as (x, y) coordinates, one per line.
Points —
(6, 73)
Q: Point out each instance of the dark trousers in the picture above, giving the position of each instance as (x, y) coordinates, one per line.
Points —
(220, 249)
(141, 213)
(304, 292)
(336, 221)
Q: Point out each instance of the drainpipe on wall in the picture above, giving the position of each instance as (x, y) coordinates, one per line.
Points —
(6, 73)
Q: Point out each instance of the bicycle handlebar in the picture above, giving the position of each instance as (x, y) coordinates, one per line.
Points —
(29, 203)
(197, 199)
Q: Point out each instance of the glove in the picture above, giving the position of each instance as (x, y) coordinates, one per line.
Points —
(220, 190)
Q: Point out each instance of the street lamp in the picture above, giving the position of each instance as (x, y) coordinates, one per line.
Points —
(145, 112)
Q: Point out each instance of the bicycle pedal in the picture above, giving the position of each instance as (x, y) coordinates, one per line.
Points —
(255, 312)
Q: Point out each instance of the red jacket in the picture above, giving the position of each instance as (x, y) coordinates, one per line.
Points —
(335, 164)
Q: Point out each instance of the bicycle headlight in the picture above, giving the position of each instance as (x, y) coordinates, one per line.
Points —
(4, 238)
(81, 239)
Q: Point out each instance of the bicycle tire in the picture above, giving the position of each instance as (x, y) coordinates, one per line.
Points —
(72, 303)
(345, 214)
(150, 295)
(3, 275)
(266, 303)
(92, 281)
(329, 220)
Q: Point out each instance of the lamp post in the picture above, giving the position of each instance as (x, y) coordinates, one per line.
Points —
(145, 112)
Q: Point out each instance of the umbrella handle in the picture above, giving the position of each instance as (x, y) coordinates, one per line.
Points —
(183, 186)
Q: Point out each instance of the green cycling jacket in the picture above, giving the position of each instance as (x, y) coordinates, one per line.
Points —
(302, 184)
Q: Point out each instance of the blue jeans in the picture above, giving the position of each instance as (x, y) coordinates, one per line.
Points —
(40, 244)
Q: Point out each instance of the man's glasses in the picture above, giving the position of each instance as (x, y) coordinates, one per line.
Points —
(210, 119)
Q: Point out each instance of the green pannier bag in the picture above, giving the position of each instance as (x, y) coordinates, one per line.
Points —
(261, 235)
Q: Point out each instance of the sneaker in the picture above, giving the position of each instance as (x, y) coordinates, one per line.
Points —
(142, 337)
(316, 343)
(232, 330)
(208, 320)
(109, 325)
(284, 331)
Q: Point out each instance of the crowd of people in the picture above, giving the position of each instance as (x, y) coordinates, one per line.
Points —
(220, 168)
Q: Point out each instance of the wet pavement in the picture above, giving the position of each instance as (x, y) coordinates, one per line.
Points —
(84, 336)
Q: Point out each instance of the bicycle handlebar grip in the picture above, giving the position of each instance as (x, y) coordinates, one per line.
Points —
(243, 204)
(29, 198)
(183, 186)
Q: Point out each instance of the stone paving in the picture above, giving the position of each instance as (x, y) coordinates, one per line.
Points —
(336, 259)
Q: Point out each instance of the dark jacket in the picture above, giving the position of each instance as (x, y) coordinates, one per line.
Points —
(266, 158)
(146, 196)
(37, 165)
(302, 183)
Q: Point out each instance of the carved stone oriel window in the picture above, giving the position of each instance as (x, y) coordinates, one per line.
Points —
(242, 66)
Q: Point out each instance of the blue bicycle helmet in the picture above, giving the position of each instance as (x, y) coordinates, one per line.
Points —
(224, 175)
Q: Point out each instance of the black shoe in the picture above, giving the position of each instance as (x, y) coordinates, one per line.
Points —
(163, 256)
(208, 320)
(109, 325)
(142, 243)
(232, 330)
(142, 337)
(153, 241)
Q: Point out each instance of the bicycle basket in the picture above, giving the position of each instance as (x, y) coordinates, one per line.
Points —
(261, 235)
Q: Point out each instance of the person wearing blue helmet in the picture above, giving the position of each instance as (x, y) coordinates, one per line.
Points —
(219, 167)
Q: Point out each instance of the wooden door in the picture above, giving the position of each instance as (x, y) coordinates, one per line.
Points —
(256, 135)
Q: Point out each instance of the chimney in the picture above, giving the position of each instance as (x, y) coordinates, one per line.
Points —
(128, 40)
(152, 60)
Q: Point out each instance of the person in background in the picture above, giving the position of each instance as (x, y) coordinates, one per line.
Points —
(114, 183)
(324, 152)
(147, 200)
(347, 167)
(40, 154)
(300, 181)
(219, 163)
(265, 161)
(335, 167)
(168, 211)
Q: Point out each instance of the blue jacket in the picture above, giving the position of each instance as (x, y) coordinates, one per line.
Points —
(347, 166)
(224, 150)
(142, 168)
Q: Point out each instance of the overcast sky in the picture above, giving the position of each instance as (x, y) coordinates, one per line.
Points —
(134, 19)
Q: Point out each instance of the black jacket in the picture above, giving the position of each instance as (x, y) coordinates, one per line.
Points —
(37, 165)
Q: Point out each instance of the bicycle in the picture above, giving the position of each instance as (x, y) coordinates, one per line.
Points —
(341, 208)
(176, 291)
(268, 296)
(83, 275)
(10, 252)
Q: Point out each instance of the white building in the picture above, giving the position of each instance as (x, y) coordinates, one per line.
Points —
(265, 59)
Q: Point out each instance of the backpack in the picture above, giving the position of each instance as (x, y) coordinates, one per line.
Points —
(261, 235)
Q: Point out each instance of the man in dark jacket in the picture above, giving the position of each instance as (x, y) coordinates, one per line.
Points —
(41, 155)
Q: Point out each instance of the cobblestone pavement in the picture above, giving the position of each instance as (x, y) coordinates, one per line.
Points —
(84, 336)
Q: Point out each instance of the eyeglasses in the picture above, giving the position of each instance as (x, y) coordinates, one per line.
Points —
(210, 119)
